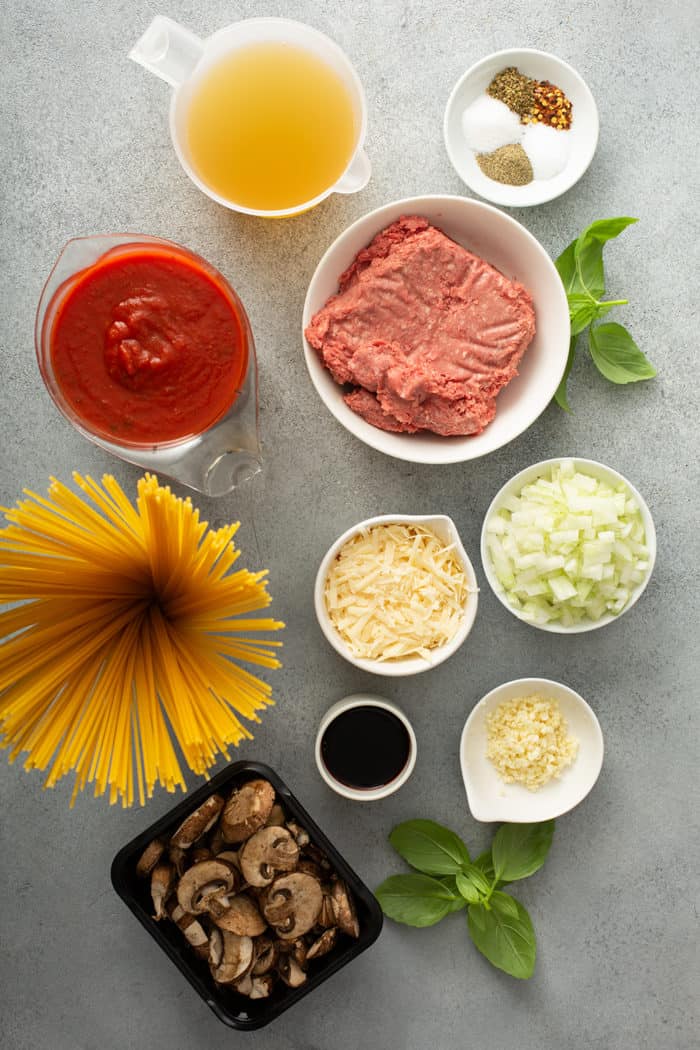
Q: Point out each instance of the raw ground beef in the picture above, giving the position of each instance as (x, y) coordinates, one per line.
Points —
(426, 332)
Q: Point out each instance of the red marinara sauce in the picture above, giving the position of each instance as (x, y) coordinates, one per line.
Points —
(149, 345)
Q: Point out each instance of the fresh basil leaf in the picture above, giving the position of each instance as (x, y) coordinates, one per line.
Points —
(617, 356)
(588, 253)
(504, 934)
(450, 881)
(566, 268)
(519, 850)
(468, 889)
(484, 862)
(429, 847)
(582, 315)
(560, 393)
(415, 900)
(477, 878)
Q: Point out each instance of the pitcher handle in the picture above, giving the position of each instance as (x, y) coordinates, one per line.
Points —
(168, 50)
(357, 176)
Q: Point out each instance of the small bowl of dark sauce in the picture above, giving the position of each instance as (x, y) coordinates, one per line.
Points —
(365, 747)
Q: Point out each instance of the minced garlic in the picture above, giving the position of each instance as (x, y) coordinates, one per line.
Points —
(528, 741)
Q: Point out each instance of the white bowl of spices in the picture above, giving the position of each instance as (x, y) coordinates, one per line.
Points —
(521, 127)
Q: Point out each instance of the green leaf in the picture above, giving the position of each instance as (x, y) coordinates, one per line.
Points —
(415, 900)
(468, 888)
(560, 393)
(617, 356)
(566, 268)
(519, 850)
(588, 253)
(450, 881)
(429, 847)
(504, 934)
(582, 316)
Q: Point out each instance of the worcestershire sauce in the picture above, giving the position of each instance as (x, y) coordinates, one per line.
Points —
(365, 747)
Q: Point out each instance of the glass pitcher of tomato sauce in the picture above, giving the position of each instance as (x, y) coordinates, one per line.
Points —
(147, 350)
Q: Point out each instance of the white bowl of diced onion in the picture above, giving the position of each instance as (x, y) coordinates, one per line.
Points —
(568, 545)
(462, 618)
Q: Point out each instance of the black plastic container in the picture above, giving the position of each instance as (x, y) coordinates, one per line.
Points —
(234, 1009)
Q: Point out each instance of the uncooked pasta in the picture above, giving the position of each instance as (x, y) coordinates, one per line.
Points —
(125, 629)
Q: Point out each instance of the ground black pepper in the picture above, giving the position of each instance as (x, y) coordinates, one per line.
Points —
(509, 164)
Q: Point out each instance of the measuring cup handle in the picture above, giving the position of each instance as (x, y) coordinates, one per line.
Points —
(168, 50)
(357, 176)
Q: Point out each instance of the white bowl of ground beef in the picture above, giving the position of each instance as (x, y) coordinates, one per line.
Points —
(379, 389)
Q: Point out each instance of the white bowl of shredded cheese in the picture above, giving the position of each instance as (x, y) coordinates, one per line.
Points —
(536, 770)
(397, 594)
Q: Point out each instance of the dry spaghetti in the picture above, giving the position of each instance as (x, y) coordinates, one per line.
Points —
(128, 632)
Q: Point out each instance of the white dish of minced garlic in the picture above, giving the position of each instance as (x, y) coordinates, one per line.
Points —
(531, 750)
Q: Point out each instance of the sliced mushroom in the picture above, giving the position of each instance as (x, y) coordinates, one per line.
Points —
(261, 986)
(230, 856)
(326, 916)
(247, 810)
(198, 823)
(344, 909)
(191, 927)
(292, 903)
(203, 883)
(323, 945)
(310, 868)
(241, 917)
(313, 853)
(301, 836)
(216, 841)
(179, 858)
(244, 984)
(230, 956)
(162, 882)
(149, 858)
(268, 852)
(297, 949)
(290, 971)
(276, 818)
(200, 853)
(266, 955)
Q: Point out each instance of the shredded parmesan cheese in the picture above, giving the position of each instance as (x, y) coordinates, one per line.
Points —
(395, 591)
(528, 741)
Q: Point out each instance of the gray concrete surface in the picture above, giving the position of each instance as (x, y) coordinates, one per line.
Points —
(85, 148)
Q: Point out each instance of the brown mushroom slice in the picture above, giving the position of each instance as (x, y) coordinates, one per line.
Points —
(292, 903)
(344, 909)
(191, 927)
(266, 955)
(201, 853)
(244, 984)
(241, 917)
(276, 818)
(179, 858)
(323, 945)
(230, 957)
(326, 916)
(297, 949)
(216, 841)
(266, 853)
(149, 858)
(198, 823)
(162, 882)
(231, 857)
(203, 883)
(261, 986)
(301, 836)
(290, 971)
(247, 810)
(309, 867)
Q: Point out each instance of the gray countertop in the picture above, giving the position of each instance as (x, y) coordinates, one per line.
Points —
(86, 149)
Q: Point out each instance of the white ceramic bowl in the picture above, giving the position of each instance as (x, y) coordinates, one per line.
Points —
(509, 247)
(583, 132)
(443, 527)
(514, 487)
(490, 798)
(365, 794)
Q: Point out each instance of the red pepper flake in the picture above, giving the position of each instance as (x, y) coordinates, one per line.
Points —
(550, 106)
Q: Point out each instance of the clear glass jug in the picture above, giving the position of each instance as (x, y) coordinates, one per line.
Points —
(214, 461)
(181, 59)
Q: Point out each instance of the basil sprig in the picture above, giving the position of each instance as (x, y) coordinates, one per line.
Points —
(449, 881)
(614, 351)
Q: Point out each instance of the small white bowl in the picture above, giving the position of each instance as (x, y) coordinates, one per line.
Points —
(446, 530)
(512, 249)
(515, 486)
(490, 798)
(365, 794)
(583, 132)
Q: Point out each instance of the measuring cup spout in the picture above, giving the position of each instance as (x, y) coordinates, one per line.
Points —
(357, 176)
(168, 50)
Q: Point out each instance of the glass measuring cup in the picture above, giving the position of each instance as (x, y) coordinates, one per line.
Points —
(182, 59)
(213, 461)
